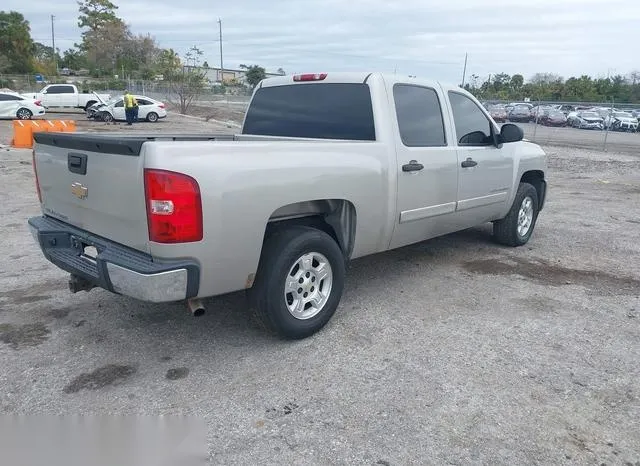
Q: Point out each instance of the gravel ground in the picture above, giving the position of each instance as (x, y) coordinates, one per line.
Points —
(452, 351)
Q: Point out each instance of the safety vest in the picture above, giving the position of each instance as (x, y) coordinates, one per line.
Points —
(130, 101)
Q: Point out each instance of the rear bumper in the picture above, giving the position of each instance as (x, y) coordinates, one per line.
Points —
(115, 268)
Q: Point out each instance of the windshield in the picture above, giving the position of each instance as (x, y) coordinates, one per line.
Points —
(590, 115)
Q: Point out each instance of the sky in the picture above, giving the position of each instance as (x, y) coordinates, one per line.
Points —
(425, 38)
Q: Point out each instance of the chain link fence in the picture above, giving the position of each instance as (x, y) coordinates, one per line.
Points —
(229, 103)
(607, 126)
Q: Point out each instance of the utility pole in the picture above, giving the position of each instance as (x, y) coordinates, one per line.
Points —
(464, 71)
(221, 62)
(53, 43)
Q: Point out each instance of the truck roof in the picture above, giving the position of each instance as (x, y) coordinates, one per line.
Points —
(350, 77)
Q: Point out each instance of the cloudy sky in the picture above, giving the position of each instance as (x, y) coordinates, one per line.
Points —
(426, 38)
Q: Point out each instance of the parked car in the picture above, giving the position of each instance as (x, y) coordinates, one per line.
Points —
(525, 104)
(587, 120)
(148, 109)
(66, 96)
(279, 209)
(16, 106)
(498, 113)
(565, 108)
(621, 121)
(520, 113)
(539, 111)
(553, 117)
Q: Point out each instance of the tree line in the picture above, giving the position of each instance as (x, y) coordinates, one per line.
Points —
(107, 48)
(553, 88)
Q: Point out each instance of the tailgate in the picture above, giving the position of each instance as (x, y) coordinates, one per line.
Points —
(94, 182)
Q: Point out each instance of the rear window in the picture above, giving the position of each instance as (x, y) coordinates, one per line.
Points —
(322, 111)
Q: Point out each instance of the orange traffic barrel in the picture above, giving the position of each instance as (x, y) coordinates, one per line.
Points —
(22, 134)
(48, 126)
(65, 126)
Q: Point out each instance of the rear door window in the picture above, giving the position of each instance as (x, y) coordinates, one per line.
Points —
(60, 90)
(315, 110)
(9, 97)
(419, 116)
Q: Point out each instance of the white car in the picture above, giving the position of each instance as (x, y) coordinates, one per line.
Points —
(14, 105)
(148, 109)
(621, 121)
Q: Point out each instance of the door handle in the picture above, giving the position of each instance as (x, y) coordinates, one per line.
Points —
(412, 166)
(469, 163)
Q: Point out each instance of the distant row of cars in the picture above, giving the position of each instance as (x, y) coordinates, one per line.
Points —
(568, 115)
(24, 107)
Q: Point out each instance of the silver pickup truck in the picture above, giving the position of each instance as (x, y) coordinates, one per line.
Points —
(327, 168)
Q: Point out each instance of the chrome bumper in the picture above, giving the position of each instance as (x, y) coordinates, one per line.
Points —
(115, 267)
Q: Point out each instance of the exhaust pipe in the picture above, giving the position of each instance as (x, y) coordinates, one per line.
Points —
(195, 307)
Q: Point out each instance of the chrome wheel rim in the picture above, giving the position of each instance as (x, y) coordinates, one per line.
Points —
(152, 117)
(525, 216)
(24, 114)
(308, 285)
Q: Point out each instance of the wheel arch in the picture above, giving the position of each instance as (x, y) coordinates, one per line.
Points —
(336, 217)
(536, 179)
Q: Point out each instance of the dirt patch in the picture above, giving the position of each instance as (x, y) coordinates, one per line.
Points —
(546, 273)
(177, 373)
(59, 313)
(32, 294)
(20, 336)
(111, 374)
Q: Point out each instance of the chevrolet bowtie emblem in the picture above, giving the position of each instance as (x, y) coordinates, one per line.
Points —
(79, 191)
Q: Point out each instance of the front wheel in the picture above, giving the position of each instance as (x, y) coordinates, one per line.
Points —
(517, 227)
(299, 281)
(107, 117)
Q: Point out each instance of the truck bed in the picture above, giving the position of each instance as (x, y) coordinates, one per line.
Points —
(119, 143)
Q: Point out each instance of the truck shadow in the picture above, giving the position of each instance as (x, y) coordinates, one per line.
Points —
(230, 319)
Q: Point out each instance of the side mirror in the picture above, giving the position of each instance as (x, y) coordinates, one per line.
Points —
(511, 133)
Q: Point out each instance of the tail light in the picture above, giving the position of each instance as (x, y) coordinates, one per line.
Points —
(38, 103)
(310, 77)
(161, 105)
(174, 207)
(35, 172)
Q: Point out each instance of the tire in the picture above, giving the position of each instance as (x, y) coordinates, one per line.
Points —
(511, 230)
(106, 116)
(288, 253)
(24, 114)
(152, 117)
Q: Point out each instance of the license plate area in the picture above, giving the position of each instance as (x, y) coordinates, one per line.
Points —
(86, 250)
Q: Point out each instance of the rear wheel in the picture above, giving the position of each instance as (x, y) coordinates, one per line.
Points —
(152, 117)
(517, 227)
(299, 282)
(24, 114)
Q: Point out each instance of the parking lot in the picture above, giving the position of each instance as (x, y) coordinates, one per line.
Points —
(455, 349)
